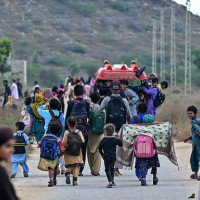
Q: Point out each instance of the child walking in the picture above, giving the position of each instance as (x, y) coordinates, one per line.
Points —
(107, 149)
(19, 156)
(73, 139)
(143, 164)
(195, 137)
(51, 148)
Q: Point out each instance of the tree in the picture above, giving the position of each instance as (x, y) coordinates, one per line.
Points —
(6, 48)
(196, 58)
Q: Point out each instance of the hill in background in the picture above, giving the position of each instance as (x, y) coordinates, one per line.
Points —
(70, 37)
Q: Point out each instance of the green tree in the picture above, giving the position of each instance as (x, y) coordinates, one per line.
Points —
(196, 58)
(6, 48)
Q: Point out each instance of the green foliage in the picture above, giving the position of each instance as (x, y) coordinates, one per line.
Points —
(5, 51)
(120, 6)
(87, 9)
(196, 58)
(59, 60)
(76, 48)
(90, 66)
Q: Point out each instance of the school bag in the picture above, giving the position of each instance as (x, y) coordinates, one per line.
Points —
(116, 112)
(20, 144)
(97, 122)
(144, 147)
(55, 120)
(74, 144)
(49, 147)
(160, 98)
(79, 111)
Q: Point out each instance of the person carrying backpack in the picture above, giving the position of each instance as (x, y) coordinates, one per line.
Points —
(80, 110)
(148, 159)
(96, 133)
(52, 116)
(19, 156)
(117, 112)
(152, 92)
(51, 148)
(73, 139)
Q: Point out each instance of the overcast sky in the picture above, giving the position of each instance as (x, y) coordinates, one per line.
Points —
(195, 5)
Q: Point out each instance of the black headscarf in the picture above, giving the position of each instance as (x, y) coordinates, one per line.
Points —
(6, 134)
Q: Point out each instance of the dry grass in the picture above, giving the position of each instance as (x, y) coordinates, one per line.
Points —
(174, 111)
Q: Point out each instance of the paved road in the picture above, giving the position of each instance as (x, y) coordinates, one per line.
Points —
(173, 185)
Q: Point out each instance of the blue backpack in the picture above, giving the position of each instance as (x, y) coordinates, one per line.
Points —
(49, 147)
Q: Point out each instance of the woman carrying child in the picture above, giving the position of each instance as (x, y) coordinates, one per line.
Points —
(72, 141)
(143, 164)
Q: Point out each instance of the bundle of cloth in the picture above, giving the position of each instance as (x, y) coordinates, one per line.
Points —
(161, 133)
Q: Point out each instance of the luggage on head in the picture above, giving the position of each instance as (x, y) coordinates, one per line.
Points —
(144, 147)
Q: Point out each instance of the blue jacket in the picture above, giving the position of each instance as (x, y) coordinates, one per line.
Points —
(140, 117)
(47, 117)
(195, 128)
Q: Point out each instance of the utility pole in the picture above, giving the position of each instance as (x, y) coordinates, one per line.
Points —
(173, 47)
(154, 57)
(162, 45)
(188, 64)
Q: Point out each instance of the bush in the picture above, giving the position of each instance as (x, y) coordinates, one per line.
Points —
(86, 9)
(120, 6)
(77, 48)
(38, 20)
(90, 66)
(64, 24)
(24, 27)
(59, 60)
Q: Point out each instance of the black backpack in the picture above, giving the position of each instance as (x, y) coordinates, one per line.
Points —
(79, 111)
(74, 144)
(20, 144)
(160, 98)
(116, 112)
(55, 120)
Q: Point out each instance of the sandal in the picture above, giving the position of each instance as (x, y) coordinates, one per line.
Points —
(193, 177)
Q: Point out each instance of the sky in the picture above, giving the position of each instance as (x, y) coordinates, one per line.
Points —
(195, 5)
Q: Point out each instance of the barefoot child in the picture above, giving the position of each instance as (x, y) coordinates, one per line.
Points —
(107, 149)
(73, 139)
(195, 156)
(19, 156)
(51, 149)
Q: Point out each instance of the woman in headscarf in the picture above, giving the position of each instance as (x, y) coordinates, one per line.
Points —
(37, 127)
(48, 94)
(7, 191)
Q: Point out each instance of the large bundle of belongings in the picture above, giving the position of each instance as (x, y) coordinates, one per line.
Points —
(161, 133)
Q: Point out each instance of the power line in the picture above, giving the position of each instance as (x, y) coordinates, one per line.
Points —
(188, 64)
(154, 52)
(173, 47)
(162, 45)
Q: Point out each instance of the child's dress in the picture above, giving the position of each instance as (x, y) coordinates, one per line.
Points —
(73, 163)
(45, 164)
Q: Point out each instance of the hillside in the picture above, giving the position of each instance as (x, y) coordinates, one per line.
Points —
(69, 35)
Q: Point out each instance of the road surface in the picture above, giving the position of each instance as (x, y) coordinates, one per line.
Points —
(173, 185)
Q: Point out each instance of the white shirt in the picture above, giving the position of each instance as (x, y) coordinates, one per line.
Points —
(33, 90)
(14, 91)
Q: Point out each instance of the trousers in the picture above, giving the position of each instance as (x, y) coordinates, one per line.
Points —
(84, 149)
(195, 156)
(15, 167)
(94, 161)
(109, 168)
